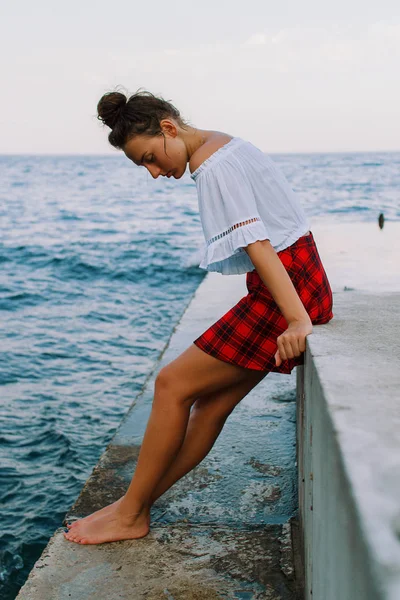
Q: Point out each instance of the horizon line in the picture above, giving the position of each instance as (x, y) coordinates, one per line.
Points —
(265, 151)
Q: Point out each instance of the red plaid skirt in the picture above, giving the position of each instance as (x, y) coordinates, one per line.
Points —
(246, 335)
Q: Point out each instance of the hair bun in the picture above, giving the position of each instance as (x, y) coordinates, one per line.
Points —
(140, 114)
(111, 107)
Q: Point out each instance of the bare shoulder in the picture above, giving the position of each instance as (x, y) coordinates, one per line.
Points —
(213, 144)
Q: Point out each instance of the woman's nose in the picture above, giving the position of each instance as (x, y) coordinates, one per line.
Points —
(154, 171)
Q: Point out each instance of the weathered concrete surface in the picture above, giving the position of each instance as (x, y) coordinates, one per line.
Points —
(180, 562)
(348, 428)
(224, 530)
(360, 256)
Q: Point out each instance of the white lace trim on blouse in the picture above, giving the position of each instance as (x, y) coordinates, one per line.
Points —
(216, 237)
(243, 197)
(229, 244)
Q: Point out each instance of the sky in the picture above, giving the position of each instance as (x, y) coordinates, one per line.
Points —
(289, 76)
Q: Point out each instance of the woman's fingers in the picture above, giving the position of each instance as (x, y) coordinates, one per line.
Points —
(288, 347)
(278, 359)
(292, 342)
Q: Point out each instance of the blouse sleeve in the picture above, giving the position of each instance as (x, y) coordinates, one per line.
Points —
(228, 211)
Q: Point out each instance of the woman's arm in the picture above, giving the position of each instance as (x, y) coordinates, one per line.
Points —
(274, 275)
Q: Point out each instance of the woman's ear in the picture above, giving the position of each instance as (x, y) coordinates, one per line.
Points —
(169, 127)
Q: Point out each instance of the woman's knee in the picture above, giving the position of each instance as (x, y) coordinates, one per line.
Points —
(215, 407)
(221, 404)
(167, 388)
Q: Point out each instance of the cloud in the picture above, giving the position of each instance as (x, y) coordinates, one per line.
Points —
(296, 87)
(301, 50)
(256, 39)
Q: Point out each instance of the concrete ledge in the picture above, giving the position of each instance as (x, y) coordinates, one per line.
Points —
(227, 529)
(348, 430)
(223, 531)
(179, 562)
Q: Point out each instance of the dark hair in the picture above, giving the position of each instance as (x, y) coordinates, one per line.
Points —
(141, 114)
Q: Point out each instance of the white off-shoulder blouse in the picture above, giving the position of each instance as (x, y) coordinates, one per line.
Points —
(244, 197)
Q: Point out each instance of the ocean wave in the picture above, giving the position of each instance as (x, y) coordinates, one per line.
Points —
(98, 262)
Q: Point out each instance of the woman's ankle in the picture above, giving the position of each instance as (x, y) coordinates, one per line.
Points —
(130, 509)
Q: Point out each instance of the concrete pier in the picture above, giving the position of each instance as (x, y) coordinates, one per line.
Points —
(348, 426)
(230, 528)
(222, 531)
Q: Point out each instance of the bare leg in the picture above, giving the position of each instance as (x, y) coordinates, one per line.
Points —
(193, 374)
(206, 422)
(204, 425)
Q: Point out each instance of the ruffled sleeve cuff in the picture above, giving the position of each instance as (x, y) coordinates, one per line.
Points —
(225, 253)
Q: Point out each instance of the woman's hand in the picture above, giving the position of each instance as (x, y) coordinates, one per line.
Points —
(292, 342)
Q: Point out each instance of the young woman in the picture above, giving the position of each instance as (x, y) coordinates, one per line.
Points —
(253, 223)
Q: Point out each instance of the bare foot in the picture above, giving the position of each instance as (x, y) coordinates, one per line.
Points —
(110, 526)
(98, 513)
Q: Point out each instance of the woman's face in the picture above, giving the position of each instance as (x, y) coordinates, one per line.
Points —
(149, 152)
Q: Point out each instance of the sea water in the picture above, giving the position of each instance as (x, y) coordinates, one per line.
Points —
(98, 261)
